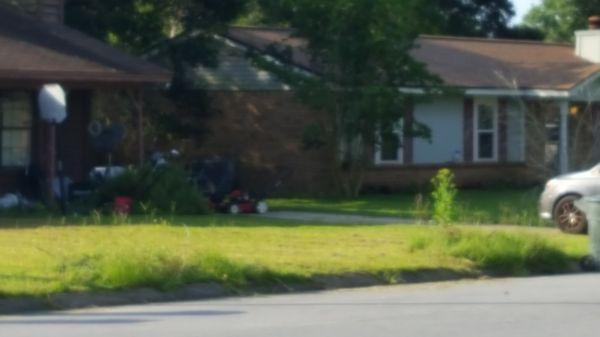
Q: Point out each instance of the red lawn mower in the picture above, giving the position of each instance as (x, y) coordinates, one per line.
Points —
(216, 177)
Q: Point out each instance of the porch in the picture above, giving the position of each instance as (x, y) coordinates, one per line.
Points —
(491, 138)
(36, 53)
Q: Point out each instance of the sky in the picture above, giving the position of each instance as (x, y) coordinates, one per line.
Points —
(522, 7)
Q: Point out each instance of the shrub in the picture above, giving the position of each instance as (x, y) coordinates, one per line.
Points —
(163, 190)
(444, 197)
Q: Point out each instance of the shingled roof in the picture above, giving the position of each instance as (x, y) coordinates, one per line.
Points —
(33, 51)
(462, 62)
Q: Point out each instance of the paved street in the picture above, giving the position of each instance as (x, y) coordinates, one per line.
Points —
(553, 306)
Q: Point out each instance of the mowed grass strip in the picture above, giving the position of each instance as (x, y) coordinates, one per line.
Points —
(65, 256)
(486, 206)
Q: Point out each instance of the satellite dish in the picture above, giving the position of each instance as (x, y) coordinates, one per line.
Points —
(109, 138)
(53, 104)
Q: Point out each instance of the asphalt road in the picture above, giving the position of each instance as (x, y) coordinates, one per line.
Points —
(553, 306)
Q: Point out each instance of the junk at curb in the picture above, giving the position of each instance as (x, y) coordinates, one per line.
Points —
(123, 205)
(9, 201)
(12, 201)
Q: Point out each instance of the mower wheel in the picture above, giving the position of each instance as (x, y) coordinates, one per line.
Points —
(234, 209)
(262, 207)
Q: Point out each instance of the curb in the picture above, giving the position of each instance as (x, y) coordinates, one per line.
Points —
(72, 301)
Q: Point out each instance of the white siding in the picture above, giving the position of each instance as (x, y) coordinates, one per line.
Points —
(516, 132)
(445, 119)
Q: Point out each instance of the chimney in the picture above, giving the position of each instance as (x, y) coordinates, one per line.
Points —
(587, 42)
(49, 11)
(594, 22)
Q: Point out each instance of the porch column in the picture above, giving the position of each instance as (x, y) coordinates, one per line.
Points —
(564, 137)
(50, 164)
(137, 97)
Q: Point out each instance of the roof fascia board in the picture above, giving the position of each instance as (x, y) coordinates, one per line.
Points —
(585, 91)
(538, 93)
(501, 92)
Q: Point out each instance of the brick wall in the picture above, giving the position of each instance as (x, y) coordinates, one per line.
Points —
(263, 131)
(393, 179)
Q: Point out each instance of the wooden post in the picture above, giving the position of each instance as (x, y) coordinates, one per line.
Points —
(138, 103)
(51, 162)
(564, 137)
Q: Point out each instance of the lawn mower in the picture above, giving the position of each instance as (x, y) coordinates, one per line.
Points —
(216, 177)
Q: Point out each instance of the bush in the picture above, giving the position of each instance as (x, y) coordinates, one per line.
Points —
(444, 197)
(163, 190)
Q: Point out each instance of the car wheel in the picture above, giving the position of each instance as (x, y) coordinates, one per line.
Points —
(568, 217)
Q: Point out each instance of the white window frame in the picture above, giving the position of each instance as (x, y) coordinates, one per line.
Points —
(379, 161)
(493, 102)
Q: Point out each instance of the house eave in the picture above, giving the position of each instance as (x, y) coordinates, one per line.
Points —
(535, 93)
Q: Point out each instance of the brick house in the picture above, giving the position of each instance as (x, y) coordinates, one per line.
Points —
(37, 49)
(517, 117)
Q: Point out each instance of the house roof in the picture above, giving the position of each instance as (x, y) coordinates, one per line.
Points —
(236, 72)
(462, 62)
(33, 51)
(261, 39)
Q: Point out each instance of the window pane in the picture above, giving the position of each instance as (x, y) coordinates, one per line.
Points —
(485, 117)
(390, 147)
(16, 111)
(15, 148)
(486, 145)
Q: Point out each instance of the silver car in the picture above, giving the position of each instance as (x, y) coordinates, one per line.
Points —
(557, 203)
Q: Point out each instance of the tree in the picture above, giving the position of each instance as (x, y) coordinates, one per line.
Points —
(484, 18)
(585, 9)
(558, 18)
(179, 33)
(477, 18)
(360, 49)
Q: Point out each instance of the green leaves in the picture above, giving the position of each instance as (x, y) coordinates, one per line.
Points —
(444, 197)
(138, 25)
(557, 18)
(360, 50)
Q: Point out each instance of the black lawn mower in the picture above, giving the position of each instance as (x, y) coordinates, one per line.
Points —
(216, 177)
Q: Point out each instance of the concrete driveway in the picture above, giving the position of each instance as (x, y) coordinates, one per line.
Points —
(552, 306)
(334, 218)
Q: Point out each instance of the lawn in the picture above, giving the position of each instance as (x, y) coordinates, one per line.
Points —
(497, 206)
(41, 256)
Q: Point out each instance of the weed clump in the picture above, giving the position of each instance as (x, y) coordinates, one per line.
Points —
(444, 197)
(497, 253)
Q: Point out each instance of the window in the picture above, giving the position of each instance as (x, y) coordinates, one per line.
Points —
(15, 130)
(486, 130)
(390, 149)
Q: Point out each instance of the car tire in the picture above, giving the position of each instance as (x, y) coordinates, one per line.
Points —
(569, 218)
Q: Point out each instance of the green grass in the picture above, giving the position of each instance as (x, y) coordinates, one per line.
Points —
(499, 206)
(42, 256)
